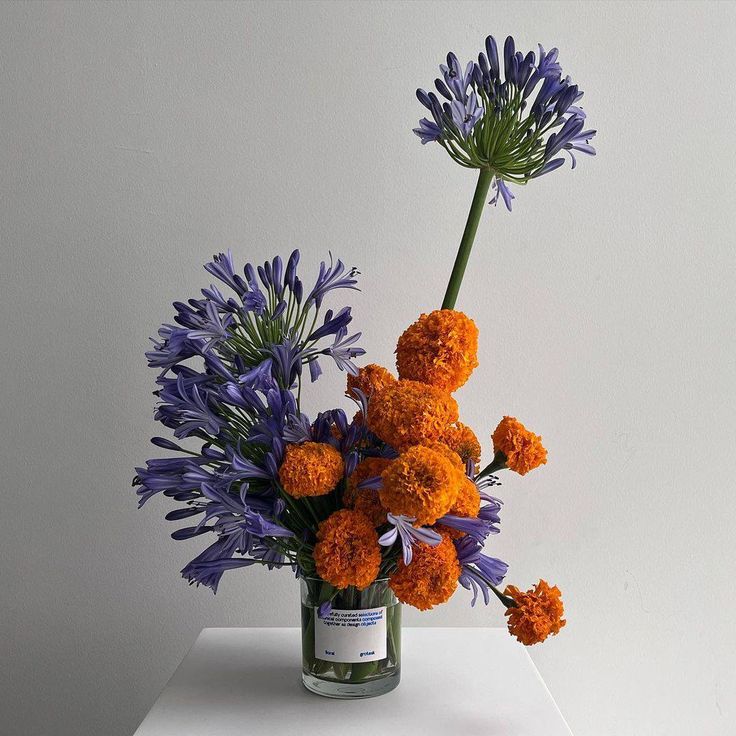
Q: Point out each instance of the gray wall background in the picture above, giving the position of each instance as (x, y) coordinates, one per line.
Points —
(138, 139)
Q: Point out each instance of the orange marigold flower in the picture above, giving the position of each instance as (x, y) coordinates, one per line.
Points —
(370, 379)
(421, 483)
(538, 613)
(367, 500)
(440, 348)
(310, 469)
(347, 551)
(430, 578)
(460, 438)
(467, 504)
(409, 413)
(449, 453)
(523, 449)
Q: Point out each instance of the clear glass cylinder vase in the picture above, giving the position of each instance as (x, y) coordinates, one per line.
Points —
(352, 650)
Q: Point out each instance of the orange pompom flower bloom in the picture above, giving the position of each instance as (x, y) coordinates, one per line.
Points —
(367, 500)
(449, 453)
(421, 483)
(370, 379)
(460, 438)
(347, 551)
(538, 613)
(310, 469)
(430, 579)
(522, 449)
(409, 413)
(466, 504)
(440, 348)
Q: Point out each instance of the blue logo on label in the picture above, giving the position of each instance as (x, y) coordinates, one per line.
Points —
(367, 654)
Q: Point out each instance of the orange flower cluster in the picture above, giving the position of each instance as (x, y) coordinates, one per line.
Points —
(523, 449)
(310, 469)
(538, 613)
(408, 413)
(367, 501)
(440, 348)
(463, 441)
(370, 379)
(421, 483)
(418, 417)
(347, 551)
(430, 579)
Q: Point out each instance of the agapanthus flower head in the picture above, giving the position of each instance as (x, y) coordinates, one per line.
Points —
(421, 483)
(538, 613)
(310, 469)
(461, 438)
(518, 448)
(369, 379)
(431, 577)
(347, 551)
(509, 113)
(440, 348)
(409, 413)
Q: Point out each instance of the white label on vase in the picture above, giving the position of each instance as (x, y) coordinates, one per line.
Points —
(350, 636)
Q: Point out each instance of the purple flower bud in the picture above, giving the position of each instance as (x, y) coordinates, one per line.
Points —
(290, 277)
(492, 52)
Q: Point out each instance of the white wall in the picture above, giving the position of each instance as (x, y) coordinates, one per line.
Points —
(137, 140)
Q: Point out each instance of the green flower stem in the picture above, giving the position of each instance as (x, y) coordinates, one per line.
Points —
(485, 176)
(499, 463)
(507, 600)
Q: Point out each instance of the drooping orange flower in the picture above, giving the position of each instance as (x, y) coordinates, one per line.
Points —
(440, 348)
(347, 550)
(538, 613)
(460, 438)
(431, 577)
(310, 469)
(421, 483)
(366, 500)
(370, 379)
(408, 413)
(523, 449)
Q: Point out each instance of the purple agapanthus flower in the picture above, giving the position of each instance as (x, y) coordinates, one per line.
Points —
(466, 114)
(324, 609)
(509, 114)
(502, 190)
(342, 351)
(479, 571)
(402, 527)
(428, 131)
(230, 368)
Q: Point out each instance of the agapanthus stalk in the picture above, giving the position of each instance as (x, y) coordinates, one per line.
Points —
(510, 115)
(485, 177)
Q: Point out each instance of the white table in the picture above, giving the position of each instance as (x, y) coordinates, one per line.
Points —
(479, 682)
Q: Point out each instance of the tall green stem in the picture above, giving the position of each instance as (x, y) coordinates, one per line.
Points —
(471, 227)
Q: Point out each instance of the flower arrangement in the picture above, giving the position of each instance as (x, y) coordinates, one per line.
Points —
(395, 497)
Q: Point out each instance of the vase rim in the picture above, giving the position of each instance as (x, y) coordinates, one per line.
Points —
(320, 580)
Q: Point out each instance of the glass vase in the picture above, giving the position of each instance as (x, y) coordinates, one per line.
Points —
(354, 650)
